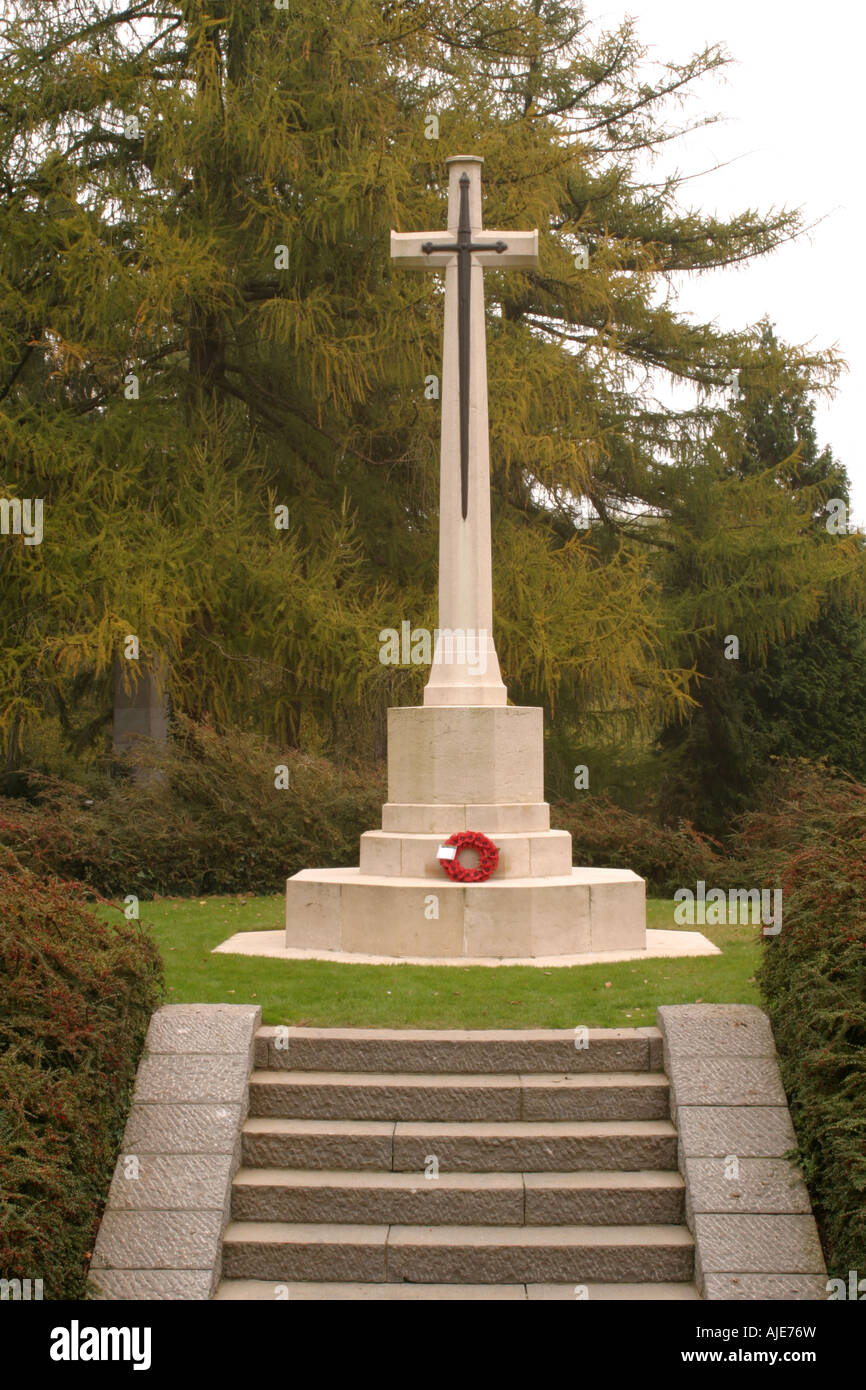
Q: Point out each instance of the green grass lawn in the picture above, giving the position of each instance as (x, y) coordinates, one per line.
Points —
(320, 994)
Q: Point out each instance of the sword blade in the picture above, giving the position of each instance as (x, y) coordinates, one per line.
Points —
(464, 271)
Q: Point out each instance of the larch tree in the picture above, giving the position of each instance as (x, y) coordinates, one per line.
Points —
(762, 692)
(214, 378)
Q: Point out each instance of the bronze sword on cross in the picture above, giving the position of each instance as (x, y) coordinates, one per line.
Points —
(522, 255)
(464, 246)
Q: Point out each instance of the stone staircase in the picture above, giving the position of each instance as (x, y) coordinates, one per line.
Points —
(557, 1169)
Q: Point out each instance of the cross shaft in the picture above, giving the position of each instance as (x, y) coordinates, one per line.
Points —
(464, 252)
(464, 247)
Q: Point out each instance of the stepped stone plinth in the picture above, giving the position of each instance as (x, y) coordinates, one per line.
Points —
(399, 901)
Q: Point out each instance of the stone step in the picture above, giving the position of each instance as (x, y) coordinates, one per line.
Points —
(377, 1198)
(528, 1147)
(273, 1142)
(457, 1097)
(457, 1254)
(265, 1291)
(503, 1051)
(472, 1199)
(596, 1197)
(476, 1147)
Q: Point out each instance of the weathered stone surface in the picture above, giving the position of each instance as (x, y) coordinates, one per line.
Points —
(599, 1196)
(172, 1182)
(656, 1047)
(476, 1051)
(715, 1030)
(378, 1198)
(729, 1104)
(527, 854)
(726, 1081)
(785, 1288)
(279, 1143)
(171, 1191)
(168, 1285)
(182, 1129)
(755, 1244)
(604, 1199)
(599, 1096)
(415, 1096)
(213, 1028)
(536, 1205)
(617, 911)
(248, 1290)
(158, 1240)
(659, 945)
(272, 1250)
(618, 1293)
(390, 916)
(763, 1185)
(365, 914)
(195, 1078)
(501, 754)
(549, 854)
(314, 918)
(451, 1254)
(420, 819)
(747, 1131)
(521, 918)
(380, 1096)
(527, 1147)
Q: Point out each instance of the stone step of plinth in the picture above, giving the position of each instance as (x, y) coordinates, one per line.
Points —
(306, 1095)
(503, 1051)
(472, 1199)
(263, 1290)
(477, 1146)
(522, 854)
(457, 1254)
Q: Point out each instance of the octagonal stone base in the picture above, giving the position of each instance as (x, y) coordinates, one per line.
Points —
(583, 910)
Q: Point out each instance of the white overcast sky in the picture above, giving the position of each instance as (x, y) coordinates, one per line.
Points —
(792, 104)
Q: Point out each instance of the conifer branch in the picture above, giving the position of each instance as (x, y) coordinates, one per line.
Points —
(28, 352)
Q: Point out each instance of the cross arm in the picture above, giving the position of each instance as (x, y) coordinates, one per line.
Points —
(406, 249)
(522, 252)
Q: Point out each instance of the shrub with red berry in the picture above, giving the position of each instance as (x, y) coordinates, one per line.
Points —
(76, 997)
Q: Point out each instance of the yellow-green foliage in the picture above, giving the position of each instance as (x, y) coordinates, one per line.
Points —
(151, 170)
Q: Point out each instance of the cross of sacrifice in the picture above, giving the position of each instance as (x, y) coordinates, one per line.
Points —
(465, 568)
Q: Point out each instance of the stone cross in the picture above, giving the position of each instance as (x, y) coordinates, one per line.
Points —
(465, 668)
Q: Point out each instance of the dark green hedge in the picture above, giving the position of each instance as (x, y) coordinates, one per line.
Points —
(813, 979)
(76, 997)
(209, 819)
(605, 835)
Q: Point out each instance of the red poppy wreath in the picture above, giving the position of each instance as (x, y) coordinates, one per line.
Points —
(488, 857)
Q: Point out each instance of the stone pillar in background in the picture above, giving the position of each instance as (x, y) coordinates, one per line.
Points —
(142, 712)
